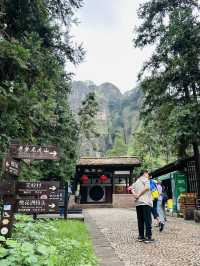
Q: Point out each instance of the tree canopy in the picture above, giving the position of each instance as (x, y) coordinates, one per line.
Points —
(119, 148)
(170, 78)
(35, 50)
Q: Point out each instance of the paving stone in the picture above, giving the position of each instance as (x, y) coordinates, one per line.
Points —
(102, 247)
(102, 244)
(177, 245)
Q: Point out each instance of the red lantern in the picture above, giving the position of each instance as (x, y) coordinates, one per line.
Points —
(84, 178)
(103, 178)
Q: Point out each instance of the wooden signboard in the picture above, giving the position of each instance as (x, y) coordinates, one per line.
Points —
(37, 206)
(34, 152)
(27, 197)
(34, 197)
(37, 187)
(58, 196)
(11, 166)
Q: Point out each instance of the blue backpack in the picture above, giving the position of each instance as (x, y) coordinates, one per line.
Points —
(153, 186)
(154, 189)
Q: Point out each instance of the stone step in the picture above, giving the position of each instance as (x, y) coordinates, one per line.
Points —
(75, 210)
(96, 205)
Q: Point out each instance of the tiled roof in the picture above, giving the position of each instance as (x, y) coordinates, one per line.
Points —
(122, 160)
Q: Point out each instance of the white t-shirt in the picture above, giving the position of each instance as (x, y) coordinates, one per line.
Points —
(141, 184)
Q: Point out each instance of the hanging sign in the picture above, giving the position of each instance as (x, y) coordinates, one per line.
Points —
(11, 166)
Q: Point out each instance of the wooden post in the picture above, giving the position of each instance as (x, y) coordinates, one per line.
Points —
(8, 192)
(113, 184)
(131, 177)
(126, 183)
(197, 164)
(66, 201)
(7, 217)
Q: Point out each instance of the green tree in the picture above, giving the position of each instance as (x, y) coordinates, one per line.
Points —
(170, 79)
(119, 147)
(150, 146)
(35, 47)
(87, 123)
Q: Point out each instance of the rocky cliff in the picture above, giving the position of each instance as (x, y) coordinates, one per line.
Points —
(118, 114)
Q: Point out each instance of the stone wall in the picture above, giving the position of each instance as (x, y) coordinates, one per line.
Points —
(123, 201)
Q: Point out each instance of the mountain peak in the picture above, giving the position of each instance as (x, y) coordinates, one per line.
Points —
(110, 89)
(118, 114)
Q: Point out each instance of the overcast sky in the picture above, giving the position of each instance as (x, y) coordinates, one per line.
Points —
(106, 30)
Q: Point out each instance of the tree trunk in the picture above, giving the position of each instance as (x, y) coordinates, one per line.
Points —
(197, 163)
(182, 146)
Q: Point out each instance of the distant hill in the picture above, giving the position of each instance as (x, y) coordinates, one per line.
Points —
(118, 113)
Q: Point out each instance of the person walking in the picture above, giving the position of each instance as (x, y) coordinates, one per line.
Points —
(160, 206)
(141, 192)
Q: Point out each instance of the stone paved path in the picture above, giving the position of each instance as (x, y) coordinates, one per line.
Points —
(177, 245)
(103, 250)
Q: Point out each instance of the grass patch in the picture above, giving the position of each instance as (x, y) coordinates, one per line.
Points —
(47, 243)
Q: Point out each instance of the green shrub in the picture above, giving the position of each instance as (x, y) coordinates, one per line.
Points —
(47, 243)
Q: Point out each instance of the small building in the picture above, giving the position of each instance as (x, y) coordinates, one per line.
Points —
(105, 180)
(186, 166)
(178, 177)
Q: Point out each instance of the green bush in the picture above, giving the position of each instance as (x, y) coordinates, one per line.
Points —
(47, 243)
